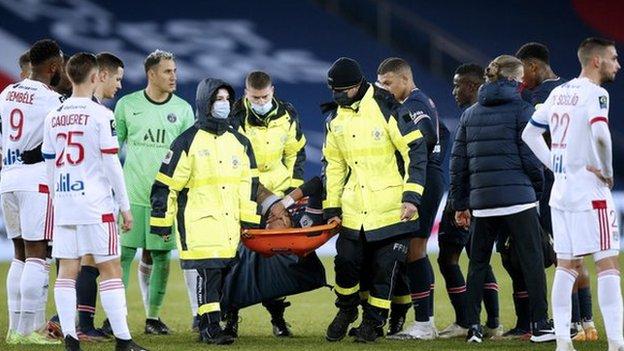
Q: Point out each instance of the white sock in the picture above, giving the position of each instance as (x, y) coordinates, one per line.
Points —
(610, 302)
(13, 293)
(190, 277)
(32, 282)
(113, 297)
(65, 300)
(40, 315)
(561, 297)
(144, 272)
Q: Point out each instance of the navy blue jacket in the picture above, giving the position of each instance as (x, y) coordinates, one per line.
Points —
(490, 164)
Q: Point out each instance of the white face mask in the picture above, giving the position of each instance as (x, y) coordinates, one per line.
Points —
(262, 109)
(220, 109)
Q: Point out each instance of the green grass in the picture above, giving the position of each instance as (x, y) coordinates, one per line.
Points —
(309, 316)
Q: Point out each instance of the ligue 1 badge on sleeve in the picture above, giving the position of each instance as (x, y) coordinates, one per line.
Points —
(603, 101)
(172, 117)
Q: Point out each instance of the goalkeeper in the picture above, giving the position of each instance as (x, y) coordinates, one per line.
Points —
(147, 122)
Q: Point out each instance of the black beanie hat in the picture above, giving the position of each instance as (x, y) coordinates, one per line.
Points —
(344, 73)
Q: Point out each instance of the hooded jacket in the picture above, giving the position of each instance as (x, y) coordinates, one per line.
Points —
(491, 166)
(206, 186)
(278, 142)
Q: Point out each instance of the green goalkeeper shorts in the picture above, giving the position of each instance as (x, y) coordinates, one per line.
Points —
(140, 235)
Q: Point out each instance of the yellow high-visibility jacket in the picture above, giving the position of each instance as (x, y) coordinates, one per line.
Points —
(374, 160)
(207, 186)
(278, 143)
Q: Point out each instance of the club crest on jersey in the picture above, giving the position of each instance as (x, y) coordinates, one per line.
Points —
(113, 124)
(172, 117)
(603, 101)
(235, 162)
(66, 185)
(168, 157)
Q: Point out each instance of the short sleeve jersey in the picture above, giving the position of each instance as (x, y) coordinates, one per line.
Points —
(568, 113)
(148, 128)
(76, 137)
(23, 107)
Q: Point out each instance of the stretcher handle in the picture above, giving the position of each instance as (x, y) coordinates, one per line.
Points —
(317, 228)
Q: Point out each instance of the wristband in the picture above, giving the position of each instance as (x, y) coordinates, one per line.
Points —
(268, 202)
(287, 201)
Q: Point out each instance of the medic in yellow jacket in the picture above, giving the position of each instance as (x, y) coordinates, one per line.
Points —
(208, 183)
(375, 161)
(273, 128)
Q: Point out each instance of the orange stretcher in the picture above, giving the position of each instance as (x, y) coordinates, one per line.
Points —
(297, 241)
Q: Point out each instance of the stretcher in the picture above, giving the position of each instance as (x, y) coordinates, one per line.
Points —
(297, 241)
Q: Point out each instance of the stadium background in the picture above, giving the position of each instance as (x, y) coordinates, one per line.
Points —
(296, 41)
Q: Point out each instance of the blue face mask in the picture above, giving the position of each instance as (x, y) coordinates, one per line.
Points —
(262, 109)
(220, 109)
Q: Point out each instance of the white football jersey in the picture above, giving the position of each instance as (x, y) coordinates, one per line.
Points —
(76, 135)
(568, 113)
(23, 107)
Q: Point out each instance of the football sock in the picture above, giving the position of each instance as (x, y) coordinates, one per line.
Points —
(40, 315)
(143, 274)
(86, 291)
(158, 281)
(490, 299)
(576, 312)
(585, 303)
(65, 300)
(127, 256)
(562, 302)
(32, 284)
(113, 298)
(610, 302)
(13, 293)
(432, 286)
(420, 286)
(456, 289)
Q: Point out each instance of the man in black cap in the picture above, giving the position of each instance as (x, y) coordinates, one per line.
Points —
(374, 170)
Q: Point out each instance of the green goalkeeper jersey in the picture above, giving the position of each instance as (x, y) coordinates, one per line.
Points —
(148, 128)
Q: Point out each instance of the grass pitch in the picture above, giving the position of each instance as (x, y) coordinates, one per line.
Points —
(309, 316)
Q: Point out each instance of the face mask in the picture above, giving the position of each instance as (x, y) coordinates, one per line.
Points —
(262, 109)
(220, 109)
(342, 98)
